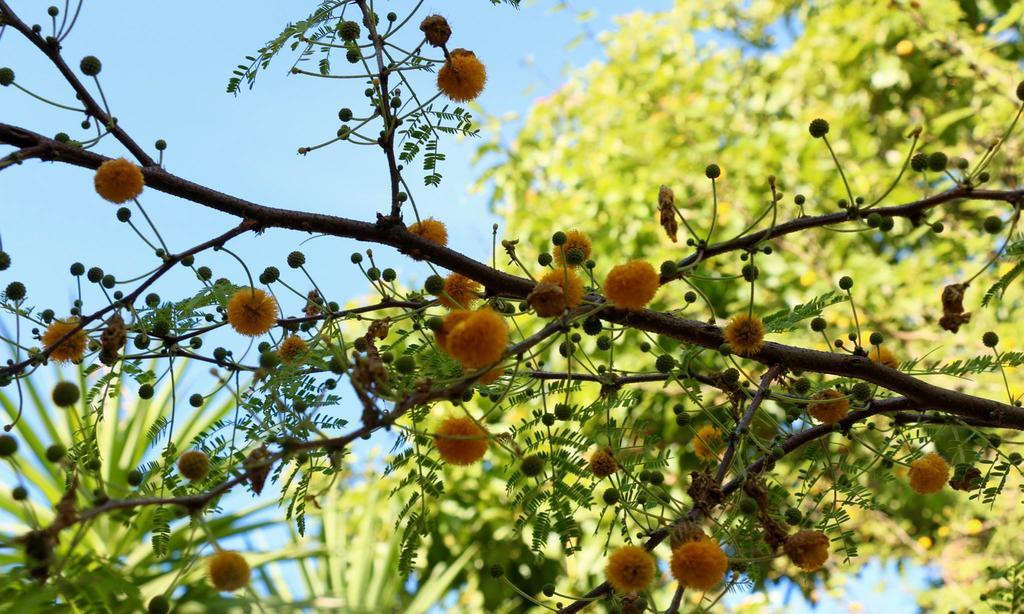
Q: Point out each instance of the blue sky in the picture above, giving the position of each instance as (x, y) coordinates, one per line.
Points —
(165, 67)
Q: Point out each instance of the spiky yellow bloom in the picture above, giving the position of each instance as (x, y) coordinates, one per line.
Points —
(807, 549)
(431, 229)
(460, 292)
(631, 285)
(460, 441)
(118, 181)
(571, 295)
(929, 474)
(449, 323)
(193, 465)
(462, 77)
(251, 312)
(478, 340)
(699, 564)
(292, 348)
(71, 349)
(228, 570)
(574, 240)
(745, 334)
(884, 356)
(629, 569)
(830, 406)
(708, 443)
(602, 464)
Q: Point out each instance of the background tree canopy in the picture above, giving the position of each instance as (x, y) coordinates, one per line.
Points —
(542, 431)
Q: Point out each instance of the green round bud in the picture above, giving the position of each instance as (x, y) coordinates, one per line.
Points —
(497, 571)
(845, 282)
(937, 161)
(158, 605)
(296, 259)
(919, 161)
(94, 275)
(65, 394)
(558, 238)
(146, 391)
(750, 272)
(345, 114)
(802, 385)
(532, 465)
(1020, 91)
(664, 363)
(983, 177)
(544, 259)
(669, 268)
(876, 338)
(818, 128)
(563, 411)
(604, 343)
(610, 496)
(360, 344)
(135, 477)
(90, 65)
(548, 419)
(800, 199)
(861, 391)
(793, 516)
(387, 357)
(690, 296)
(592, 326)
(389, 274)
(656, 477)
(8, 445)
(887, 224)
(77, 269)
(874, 220)
(682, 419)
(434, 285)
(108, 281)
(731, 376)
(405, 364)
(124, 214)
(15, 291)
(937, 227)
(748, 506)
(269, 359)
(712, 171)
(992, 224)
(725, 349)
(19, 493)
(353, 56)
(645, 346)
(348, 30)
(160, 145)
(818, 324)
(6, 76)
(55, 453)
(990, 339)
(196, 400)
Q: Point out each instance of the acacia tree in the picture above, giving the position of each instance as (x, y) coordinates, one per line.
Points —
(623, 424)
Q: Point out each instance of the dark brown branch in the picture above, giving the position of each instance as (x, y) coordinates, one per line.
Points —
(52, 51)
(762, 391)
(504, 284)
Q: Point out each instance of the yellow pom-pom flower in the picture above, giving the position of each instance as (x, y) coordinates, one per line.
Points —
(884, 356)
(449, 323)
(829, 406)
(462, 77)
(630, 569)
(71, 349)
(477, 340)
(572, 290)
(745, 334)
(460, 292)
(574, 240)
(194, 465)
(491, 376)
(251, 312)
(430, 229)
(118, 181)
(292, 348)
(631, 285)
(929, 474)
(807, 549)
(460, 441)
(228, 570)
(708, 443)
(602, 464)
(700, 564)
